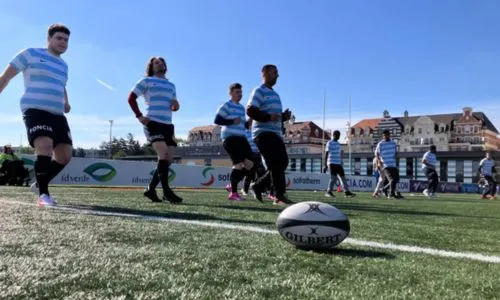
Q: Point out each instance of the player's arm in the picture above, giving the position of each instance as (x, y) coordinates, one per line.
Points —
(480, 169)
(132, 101)
(9, 73)
(221, 117)
(67, 107)
(254, 111)
(325, 167)
(425, 162)
(220, 120)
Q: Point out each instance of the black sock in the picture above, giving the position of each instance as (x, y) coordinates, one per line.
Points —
(236, 177)
(55, 168)
(246, 183)
(42, 173)
(154, 181)
(163, 175)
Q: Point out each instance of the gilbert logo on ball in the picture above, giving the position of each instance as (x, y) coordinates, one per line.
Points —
(313, 225)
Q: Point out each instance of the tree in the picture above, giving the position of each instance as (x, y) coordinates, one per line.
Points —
(123, 147)
(79, 152)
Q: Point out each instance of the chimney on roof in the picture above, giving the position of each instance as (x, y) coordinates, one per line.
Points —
(386, 114)
(406, 114)
(467, 111)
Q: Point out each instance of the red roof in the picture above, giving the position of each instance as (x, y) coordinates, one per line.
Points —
(370, 123)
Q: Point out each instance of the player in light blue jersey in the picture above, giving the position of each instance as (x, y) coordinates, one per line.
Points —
(429, 166)
(231, 116)
(386, 153)
(487, 170)
(43, 104)
(265, 109)
(333, 161)
(161, 100)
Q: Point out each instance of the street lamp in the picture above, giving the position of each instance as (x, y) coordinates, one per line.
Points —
(348, 128)
(110, 137)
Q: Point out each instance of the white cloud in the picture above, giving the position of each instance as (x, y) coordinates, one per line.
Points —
(106, 85)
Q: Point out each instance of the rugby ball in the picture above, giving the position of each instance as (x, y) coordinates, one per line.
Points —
(313, 225)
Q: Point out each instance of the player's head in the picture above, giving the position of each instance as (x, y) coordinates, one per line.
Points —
(432, 148)
(156, 66)
(270, 74)
(336, 135)
(248, 124)
(488, 154)
(235, 92)
(7, 149)
(57, 38)
(386, 134)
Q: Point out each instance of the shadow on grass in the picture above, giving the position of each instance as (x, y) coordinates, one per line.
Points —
(356, 253)
(151, 215)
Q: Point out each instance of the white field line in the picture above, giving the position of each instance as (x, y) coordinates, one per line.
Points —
(351, 241)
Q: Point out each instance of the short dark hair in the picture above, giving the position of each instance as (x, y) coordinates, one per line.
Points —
(267, 67)
(336, 132)
(386, 132)
(234, 86)
(432, 147)
(57, 28)
(149, 67)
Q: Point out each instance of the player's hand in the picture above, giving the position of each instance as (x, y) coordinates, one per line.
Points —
(325, 169)
(67, 107)
(236, 121)
(275, 117)
(144, 120)
(174, 105)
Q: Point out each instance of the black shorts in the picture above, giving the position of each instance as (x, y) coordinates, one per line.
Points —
(238, 149)
(43, 123)
(336, 170)
(160, 132)
(391, 173)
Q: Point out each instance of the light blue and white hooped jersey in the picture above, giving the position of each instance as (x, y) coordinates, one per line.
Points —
(231, 110)
(254, 147)
(387, 151)
(334, 152)
(430, 158)
(158, 93)
(45, 77)
(487, 166)
(268, 101)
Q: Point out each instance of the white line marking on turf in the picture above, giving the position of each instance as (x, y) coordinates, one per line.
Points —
(351, 241)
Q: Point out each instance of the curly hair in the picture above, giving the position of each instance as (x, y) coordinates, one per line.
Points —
(149, 67)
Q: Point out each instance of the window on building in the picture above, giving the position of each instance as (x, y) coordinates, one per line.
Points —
(476, 129)
(303, 165)
(293, 165)
(420, 131)
(357, 166)
(475, 168)
(443, 165)
(369, 167)
(460, 171)
(459, 129)
(409, 167)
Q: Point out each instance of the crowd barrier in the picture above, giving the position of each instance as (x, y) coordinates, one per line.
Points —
(90, 171)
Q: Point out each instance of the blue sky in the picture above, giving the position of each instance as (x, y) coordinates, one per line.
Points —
(422, 56)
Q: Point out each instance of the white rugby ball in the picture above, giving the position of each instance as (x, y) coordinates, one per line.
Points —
(313, 225)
